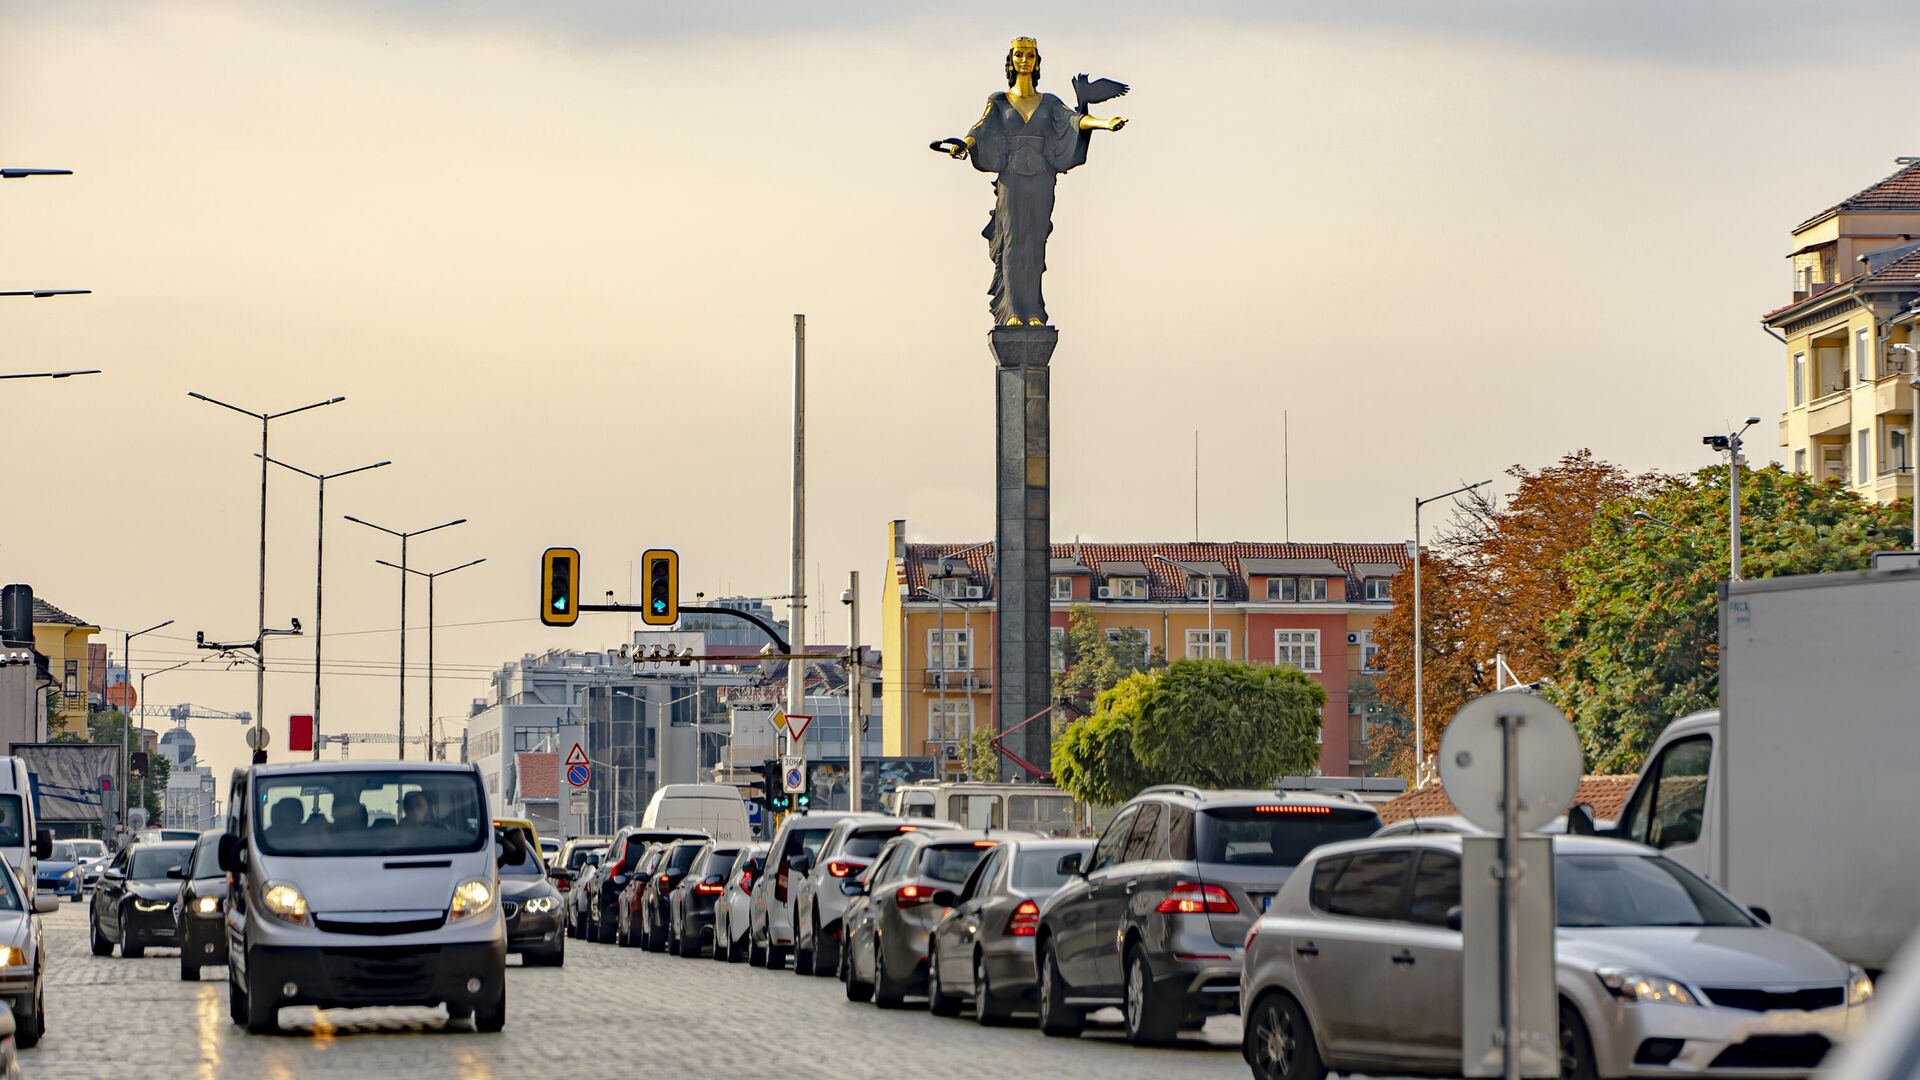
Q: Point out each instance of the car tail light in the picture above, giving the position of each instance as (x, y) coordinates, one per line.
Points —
(1025, 920)
(1194, 898)
(563, 884)
(666, 882)
(746, 881)
(1291, 808)
(986, 843)
(845, 868)
(713, 886)
(912, 895)
(780, 882)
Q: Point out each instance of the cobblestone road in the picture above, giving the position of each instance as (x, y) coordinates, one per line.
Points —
(609, 1012)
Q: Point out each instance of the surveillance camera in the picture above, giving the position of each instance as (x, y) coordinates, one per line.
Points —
(296, 624)
(846, 596)
(199, 637)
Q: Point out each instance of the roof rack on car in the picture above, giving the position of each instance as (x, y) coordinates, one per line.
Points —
(1177, 789)
(1345, 796)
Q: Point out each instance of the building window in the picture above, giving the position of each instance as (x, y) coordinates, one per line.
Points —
(1283, 588)
(1799, 378)
(1126, 588)
(1862, 354)
(952, 588)
(1833, 461)
(1313, 589)
(1206, 588)
(1062, 587)
(1896, 457)
(71, 681)
(1057, 640)
(953, 654)
(1301, 648)
(1197, 645)
(1379, 589)
(950, 720)
(1799, 463)
(1369, 653)
(1133, 643)
(1864, 440)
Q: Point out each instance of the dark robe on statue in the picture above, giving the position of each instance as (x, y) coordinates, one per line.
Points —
(1028, 154)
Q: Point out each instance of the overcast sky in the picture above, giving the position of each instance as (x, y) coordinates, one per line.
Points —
(551, 252)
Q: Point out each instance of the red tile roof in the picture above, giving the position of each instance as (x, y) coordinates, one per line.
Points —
(1166, 582)
(1901, 191)
(1607, 794)
(1901, 272)
(539, 775)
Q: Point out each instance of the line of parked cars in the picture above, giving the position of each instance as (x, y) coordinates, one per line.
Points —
(1338, 943)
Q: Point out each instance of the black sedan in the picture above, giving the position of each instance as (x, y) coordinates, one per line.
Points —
(983, 949)
(532, 907)
(133, 906)
(199, 911)
(690, 905)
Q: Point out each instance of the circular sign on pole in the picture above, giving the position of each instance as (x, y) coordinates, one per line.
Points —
(257, 738)
(578, 775)
(1472, 759)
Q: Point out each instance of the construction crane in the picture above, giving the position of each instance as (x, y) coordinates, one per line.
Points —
(180, 714)
(346, 740)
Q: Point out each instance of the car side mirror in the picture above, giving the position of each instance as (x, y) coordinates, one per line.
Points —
(1580, 820)
(1762, 914)
(177, 873)
(1454, 917)
(45, 905)
(854, 887)
(111, 874)
(944, 897)
(1069, 865)
(43, 844)
(232, 855)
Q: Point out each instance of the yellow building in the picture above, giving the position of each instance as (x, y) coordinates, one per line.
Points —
(63, 639)
(1313, 606)
(1847, 332)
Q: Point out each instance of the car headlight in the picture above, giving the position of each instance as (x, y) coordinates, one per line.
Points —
(284, 902)
(206, 905)
(152, 905)
(10, 956)
(540, 905)
(1640, 988)
(471, 898)
(1859, 986)
(69, 874)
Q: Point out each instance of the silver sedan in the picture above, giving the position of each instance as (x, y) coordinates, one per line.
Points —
(22, 959)
(1357, 967)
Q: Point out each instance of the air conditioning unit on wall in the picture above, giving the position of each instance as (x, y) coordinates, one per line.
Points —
(1104, 592)
(976, 592)
(1353, 639)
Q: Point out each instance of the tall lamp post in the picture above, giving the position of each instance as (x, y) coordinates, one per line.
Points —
(126, 657)
(260, 639)
(1730, 444)
(431, 578)
(319, 579)
(404, 537)
(140, 705)
(1419, 658)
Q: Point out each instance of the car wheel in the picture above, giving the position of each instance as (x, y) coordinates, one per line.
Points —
(1057, 1018)
(189, 971)
(129, 948)
(236, 997)
(988, 1007)
(493, 1015)
(74, 899)
(887, 993)
(939, 1002)
(30, 1017)
(776, 957)
(96, 940)
(856, 990)
(1576, 1046)
(1279, 1043)
(736, 951)
(803, 958)
(756, 957)
(263, 1011)
(1151, 1018)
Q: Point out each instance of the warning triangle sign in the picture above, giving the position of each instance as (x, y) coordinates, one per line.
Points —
(797, 726)
(577, 756)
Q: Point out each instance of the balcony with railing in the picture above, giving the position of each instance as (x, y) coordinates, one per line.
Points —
(955, 678)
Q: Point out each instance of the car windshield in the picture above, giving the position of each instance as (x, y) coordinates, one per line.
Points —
(867, 843)
(10, 899)
(719, 861)
(1048, 815)
(530, 864)
(89, 849)
(1277, 835)
(681, 857)
(1637, 890)
(1038, 872)
(370, 812)
(953, 862)
(807, 840)
(152, 863)
(12, 822)
(581, 856)
(64, 852)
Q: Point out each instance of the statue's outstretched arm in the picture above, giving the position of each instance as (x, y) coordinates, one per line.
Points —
(966, 143)
(1097, 123)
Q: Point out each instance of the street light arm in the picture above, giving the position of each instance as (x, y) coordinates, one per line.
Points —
(1456, 491)
(39, 294)
(294, 468)
(51, 374)
(289, 412)
(150, 629)
(437, 528)
(371, 525)
(226, 405)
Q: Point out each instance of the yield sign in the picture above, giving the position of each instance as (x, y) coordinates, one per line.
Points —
(797, 726)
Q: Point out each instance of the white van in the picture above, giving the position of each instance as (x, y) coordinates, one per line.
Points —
(714, 809)
(364, 883)
(24, 842)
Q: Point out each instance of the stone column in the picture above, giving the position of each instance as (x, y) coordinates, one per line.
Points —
(1022, 660)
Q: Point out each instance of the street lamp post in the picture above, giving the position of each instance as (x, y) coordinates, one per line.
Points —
(260, 639)
(12, 173)
(1731, 444)
(1913, 466)
(1419, 657)
(404, 537)
(431, 578)
(1212, 587)
(126, 657)
(42, 294)
(319, 581)
(138, 706)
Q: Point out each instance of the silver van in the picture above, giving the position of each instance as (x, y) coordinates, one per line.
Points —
(364, 883)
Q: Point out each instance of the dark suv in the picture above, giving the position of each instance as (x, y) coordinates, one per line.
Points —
(1155, 920)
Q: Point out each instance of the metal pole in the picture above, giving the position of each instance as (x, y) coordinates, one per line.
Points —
(126, 657)
(1733, 499)
(1510, 896)
(319, 609)
(430, 580)
(797, 606)
(260, 637)
(403, 648)
(855, 682)
(1419, 664)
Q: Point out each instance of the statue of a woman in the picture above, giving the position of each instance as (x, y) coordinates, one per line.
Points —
(1029, 139)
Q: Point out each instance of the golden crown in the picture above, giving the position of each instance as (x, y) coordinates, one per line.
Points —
(1027, 41)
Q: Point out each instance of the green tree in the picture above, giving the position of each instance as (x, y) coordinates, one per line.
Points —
(1210, 723)
(1090, 664)
(983, 761)
(1638, 642)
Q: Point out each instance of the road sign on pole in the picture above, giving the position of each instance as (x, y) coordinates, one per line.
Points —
(793, 774)
(1509, 762)
(579, 769)
(577, 802)
(797, 726)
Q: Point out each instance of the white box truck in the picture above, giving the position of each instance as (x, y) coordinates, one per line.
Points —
(1800, 795)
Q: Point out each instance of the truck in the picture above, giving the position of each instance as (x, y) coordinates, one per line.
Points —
(1797, 795)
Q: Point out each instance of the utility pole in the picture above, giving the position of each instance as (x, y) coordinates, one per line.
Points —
(431, 578)
(856, 683)
(1731, 444)
(1419, 659)
(404, 537)
(126, 657)
(797, 603)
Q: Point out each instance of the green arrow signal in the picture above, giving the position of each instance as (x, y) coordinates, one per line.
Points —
(559, 603)
(660, 606)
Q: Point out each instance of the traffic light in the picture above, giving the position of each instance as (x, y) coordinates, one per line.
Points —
(137, 765)
(803, 800)
(660, 573)
(560, 587)
(769, 773)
